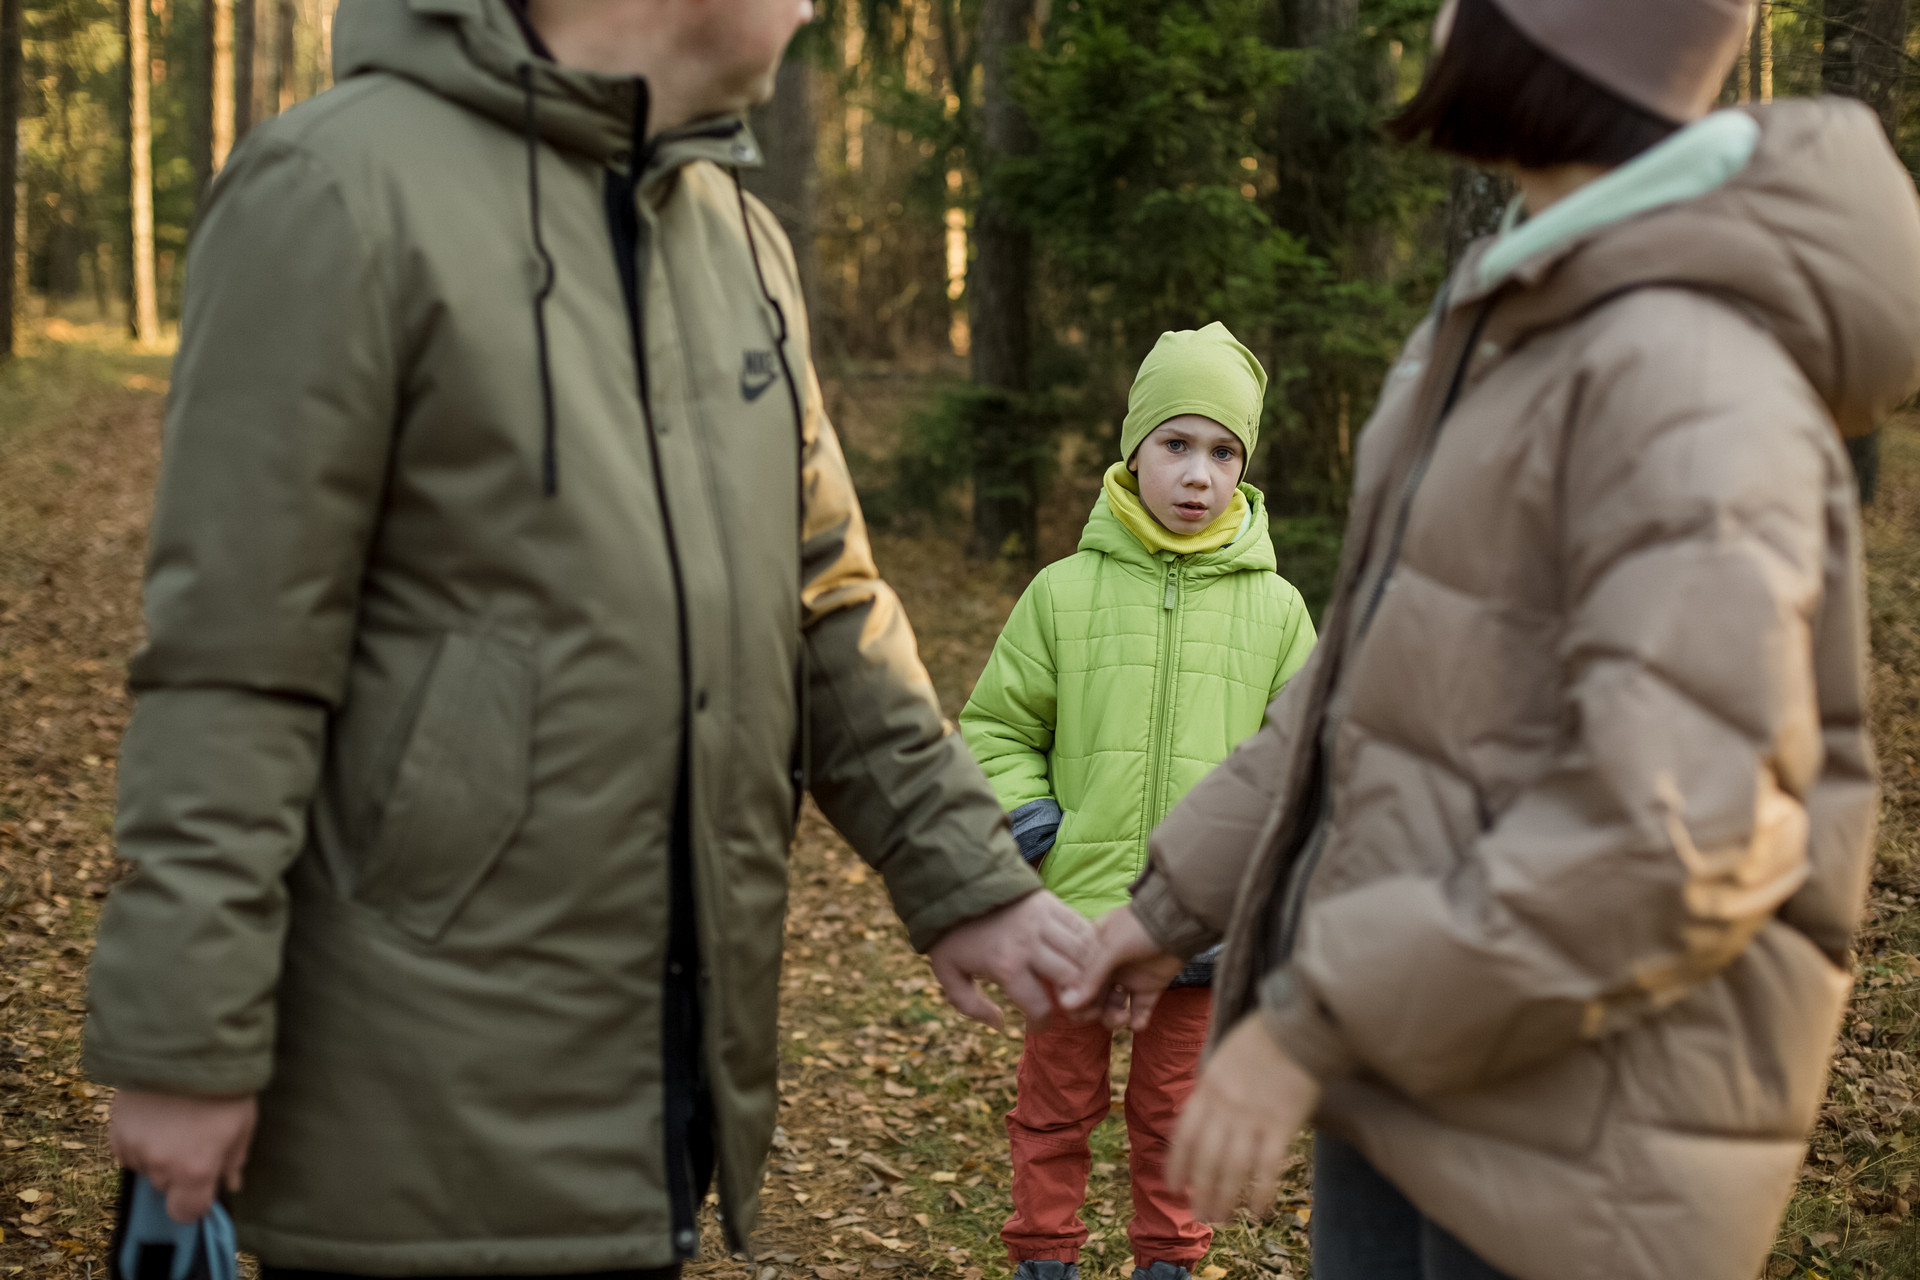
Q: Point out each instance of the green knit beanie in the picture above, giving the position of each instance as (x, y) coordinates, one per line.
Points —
(1204, 371)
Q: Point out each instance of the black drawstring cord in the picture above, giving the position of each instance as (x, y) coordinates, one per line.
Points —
(803, 744)
(549, 454)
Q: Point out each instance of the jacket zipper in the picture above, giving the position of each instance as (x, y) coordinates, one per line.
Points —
(1162, 706)
(686, 1114)
(1294, 903)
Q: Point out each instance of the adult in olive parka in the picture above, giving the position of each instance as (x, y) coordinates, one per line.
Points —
(506, 586)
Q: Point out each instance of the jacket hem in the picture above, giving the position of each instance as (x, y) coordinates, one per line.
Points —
(555, 1255)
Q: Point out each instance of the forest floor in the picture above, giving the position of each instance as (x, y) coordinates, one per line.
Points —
(890, 1158)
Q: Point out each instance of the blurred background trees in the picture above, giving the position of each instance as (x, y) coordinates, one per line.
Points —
(1007, 199)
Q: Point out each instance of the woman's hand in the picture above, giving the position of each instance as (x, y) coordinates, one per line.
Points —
(1123, 974)
(1231, 1141)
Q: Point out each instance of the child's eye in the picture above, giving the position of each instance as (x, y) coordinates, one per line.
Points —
(1178, 446)
(1223, 454)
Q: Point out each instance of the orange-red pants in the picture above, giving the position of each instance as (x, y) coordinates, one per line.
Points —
(1065, 1089)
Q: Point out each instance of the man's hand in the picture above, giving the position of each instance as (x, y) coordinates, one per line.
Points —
(1122, 976)
(1231, 1140)
(188, 1147)
(1029, 947)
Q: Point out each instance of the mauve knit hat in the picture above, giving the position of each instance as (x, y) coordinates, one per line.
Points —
(1669, 56)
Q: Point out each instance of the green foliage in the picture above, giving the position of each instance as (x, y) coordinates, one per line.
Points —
(1137, 192)
(1187, 169)
(1307, 549)
(941, 447)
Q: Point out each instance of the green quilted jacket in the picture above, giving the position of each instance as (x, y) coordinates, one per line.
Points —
(1123, 676)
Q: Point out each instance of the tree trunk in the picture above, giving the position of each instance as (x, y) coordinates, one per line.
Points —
(1760, 55)
(788, 134)
(999, 307)
(199, 70)
(10, 78)
(243, 55)
(222, 104)
(284, 61)
(1864, 54)
(1475, 201)
(146, 305)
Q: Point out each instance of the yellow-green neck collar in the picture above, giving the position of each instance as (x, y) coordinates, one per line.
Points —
(1123, 499)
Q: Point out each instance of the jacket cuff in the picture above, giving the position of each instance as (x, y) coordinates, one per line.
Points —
(197, 1077)
(1035, 824)
(1177, 930)
(1006, 883)
(1302, 1027)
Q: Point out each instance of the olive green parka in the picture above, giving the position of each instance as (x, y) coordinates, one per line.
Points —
(499, 518)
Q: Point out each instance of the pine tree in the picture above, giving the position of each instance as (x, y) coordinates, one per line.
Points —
(10, 84)
(146, 303)
(999, 302)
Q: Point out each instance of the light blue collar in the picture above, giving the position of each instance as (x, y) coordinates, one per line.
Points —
(1694, 161)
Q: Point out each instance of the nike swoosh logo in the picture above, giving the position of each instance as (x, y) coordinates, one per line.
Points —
(753, 389)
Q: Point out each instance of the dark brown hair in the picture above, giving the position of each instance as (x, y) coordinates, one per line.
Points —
(1493, 96)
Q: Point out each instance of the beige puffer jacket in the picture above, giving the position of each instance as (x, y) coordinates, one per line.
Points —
(1560, 908)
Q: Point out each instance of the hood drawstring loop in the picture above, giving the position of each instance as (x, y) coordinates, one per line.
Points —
(549, 453)
(803, 738)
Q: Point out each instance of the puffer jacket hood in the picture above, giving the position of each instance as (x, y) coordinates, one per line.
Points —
(1250, 551)
(1814, 237)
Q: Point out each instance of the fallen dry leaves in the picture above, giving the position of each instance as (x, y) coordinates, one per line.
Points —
(890, 1159)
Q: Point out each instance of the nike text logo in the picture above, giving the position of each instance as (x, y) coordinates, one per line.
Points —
(757, 374)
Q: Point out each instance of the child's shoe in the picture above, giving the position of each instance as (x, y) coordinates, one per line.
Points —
(1047, 1269)
(1162, 1270)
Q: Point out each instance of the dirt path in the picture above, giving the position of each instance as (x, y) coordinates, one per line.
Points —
(891, 1154)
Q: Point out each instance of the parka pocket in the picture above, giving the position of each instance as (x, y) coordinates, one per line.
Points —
(459, 790)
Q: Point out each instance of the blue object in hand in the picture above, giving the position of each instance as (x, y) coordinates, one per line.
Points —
(149, 1245)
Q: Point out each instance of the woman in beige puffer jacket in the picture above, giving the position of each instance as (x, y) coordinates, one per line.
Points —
(1541, 879)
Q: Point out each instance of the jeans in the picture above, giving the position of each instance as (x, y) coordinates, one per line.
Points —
(1364, 1229)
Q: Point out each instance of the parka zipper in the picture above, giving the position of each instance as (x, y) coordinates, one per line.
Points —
(1162, 706)
(1294, 902)
(686, 1104)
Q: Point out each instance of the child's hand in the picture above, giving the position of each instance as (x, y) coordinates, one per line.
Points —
(1122, 976)
(1030, 948)
(1231, 1141)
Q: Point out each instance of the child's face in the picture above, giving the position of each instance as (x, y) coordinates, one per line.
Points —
(1188, 469)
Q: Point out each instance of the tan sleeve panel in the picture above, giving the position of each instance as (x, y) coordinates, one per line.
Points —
(884, 766)
(1200, 851)
(1699, 481)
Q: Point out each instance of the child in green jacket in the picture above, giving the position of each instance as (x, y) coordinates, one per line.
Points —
(1126, 672)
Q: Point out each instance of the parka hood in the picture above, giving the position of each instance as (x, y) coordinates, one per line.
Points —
(1817, 237)
(473, 52)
